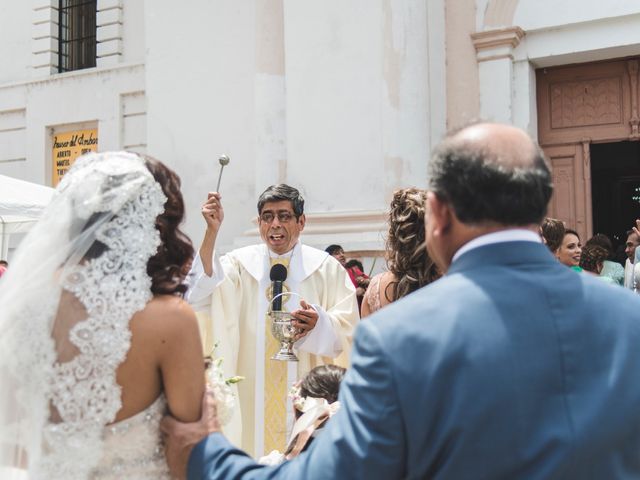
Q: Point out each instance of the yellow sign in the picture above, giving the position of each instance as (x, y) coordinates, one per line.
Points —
(67, 146)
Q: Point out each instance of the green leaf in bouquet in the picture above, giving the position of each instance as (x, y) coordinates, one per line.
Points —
(236, 379)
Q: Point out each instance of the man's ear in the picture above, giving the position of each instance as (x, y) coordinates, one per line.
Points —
(440, 215)
(301, 221)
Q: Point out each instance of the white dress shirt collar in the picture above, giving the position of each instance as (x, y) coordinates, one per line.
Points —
(511, 235)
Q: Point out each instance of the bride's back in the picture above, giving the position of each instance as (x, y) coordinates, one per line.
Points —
(165, 355)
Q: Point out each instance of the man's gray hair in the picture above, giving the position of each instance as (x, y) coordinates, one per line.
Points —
(482, 189)
(279, 193)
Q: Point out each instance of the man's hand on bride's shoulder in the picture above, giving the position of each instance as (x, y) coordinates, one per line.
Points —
(180, 438)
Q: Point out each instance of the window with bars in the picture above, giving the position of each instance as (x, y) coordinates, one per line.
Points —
(76, 34)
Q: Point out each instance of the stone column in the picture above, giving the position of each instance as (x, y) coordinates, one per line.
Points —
(494, 51)
(269, 87)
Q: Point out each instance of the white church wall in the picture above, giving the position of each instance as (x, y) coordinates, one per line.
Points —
(359, 122)
(330, 97)
(343, 99)
(542, 14)
(200, 104)
(15, 47)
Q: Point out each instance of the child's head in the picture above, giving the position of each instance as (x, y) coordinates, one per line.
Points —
(321, 382)
(354, 263)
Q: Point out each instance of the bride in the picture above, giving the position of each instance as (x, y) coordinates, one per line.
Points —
(96, 342)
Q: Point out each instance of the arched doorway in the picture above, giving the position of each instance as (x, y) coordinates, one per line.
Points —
(588, 125)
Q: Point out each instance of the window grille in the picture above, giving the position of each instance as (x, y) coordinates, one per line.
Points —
(77, 34)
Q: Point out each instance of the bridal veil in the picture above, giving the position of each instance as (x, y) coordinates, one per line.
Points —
(65, 305)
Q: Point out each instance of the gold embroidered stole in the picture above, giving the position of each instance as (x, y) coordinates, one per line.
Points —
(275, 385)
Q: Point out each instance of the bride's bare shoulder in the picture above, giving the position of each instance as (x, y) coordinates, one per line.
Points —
(168, 304)
(165, 314)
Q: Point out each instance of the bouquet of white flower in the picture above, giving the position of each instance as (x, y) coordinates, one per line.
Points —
(221, 387)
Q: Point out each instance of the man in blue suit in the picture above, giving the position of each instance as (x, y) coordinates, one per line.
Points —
(510, 366)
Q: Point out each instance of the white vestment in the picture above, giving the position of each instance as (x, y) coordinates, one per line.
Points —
(632, 273)
(232, 305)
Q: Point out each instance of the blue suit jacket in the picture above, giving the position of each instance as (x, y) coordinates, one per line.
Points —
(511, 366)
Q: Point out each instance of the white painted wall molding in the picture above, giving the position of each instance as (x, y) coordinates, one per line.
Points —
(44, 38)
(109, 33)
(13, 129)
(133, 122)
(78, 74)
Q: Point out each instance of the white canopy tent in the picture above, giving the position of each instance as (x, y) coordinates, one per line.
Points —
(21, 205)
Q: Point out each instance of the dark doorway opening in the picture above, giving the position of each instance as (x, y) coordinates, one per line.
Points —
(615, 190)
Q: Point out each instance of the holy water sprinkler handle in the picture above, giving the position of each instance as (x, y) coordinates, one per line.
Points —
(223, 160)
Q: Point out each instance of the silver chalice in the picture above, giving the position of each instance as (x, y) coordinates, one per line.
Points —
(283, 330)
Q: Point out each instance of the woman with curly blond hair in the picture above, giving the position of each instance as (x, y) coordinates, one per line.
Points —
(408, 264)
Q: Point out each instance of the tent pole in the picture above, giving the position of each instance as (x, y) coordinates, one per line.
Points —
(4, 241)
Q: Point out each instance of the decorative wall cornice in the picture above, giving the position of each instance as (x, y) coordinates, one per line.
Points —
(491, 39)
(498, 43)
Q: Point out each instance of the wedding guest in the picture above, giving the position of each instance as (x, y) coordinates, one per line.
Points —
(322, 382)
(592, 261)
(408, 264)
(552, 232)
(610, 269)
(337, 252)
(354, 263)
(314, 400)
(358, 277)
(569, 251)
(356, 273)
(631, 244)
(4, 265)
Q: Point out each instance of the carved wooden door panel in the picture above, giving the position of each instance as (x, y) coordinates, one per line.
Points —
(571, 200)
(578, 105)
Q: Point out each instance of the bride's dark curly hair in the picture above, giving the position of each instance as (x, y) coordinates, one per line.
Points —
(407, 257)
(167, 267)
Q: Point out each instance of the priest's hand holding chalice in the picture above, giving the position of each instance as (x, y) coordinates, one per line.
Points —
(287, 327)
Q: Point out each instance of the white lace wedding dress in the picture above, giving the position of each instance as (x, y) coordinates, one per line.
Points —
(78, 280)
(133, 447)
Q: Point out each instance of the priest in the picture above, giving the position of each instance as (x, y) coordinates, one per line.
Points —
(232, 294)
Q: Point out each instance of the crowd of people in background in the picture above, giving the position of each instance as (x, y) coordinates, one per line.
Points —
(596, 256)
(408, 266)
